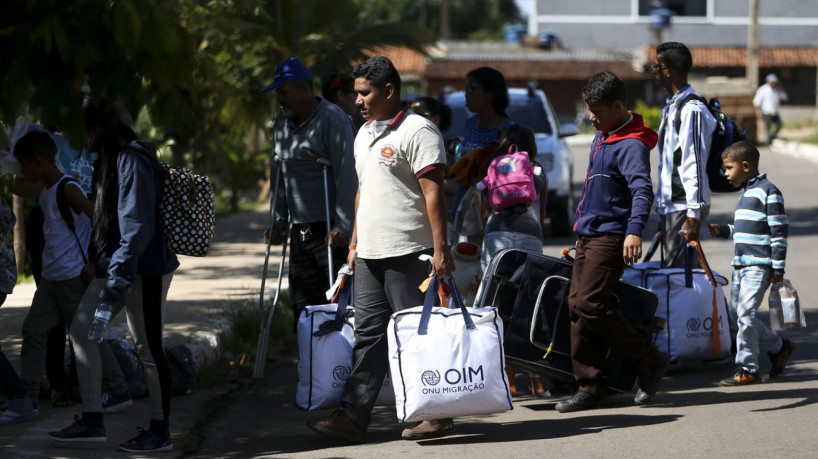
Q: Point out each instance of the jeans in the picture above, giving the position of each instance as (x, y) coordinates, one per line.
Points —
(747, 292)
(596, 320)
(382, 286)
(498, 240)
(772, 123)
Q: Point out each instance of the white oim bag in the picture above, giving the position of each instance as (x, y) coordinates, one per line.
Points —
(447, 363)
(325, 341)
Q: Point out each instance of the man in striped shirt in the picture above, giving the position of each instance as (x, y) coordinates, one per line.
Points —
(759, 233)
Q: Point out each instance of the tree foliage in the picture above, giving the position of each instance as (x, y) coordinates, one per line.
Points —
(54, 50)
(469, 19)
(189, 71)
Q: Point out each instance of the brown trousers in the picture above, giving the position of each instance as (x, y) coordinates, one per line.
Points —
(596, 321)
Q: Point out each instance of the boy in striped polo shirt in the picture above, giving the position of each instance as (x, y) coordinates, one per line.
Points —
(759, 233)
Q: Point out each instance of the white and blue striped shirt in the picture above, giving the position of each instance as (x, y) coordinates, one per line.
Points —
(759, 230)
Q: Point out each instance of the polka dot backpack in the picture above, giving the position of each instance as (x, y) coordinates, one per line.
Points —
(187, 211)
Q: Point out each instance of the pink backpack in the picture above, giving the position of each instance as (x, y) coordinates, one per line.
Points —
(510, 180)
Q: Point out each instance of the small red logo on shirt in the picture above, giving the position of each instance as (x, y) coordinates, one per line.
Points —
(387, 152)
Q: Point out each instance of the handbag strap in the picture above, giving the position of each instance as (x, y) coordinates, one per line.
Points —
(429, 302)
(715, 341)
(344, 298)
(657, 240)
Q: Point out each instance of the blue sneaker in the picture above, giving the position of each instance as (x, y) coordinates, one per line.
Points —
(113, 403)
(79, 431)
(146, 441)
(10, 416)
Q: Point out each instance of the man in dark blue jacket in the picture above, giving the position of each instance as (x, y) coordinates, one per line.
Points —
(610, 218)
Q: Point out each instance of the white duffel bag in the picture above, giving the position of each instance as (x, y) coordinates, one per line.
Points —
(325, 340)
(445, 362)
(692, 303)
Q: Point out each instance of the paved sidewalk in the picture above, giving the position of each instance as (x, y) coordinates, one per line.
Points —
(200, 289)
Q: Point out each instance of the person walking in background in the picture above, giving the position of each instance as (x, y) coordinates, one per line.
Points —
(400, 214)
(610, 219)
(340, 90)
(307, 129)
(134, 269)
(759, 233)
(683, 196)
(767, 101)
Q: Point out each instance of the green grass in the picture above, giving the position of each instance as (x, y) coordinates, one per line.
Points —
(223, 206)
(813, 139)
(239, 337)
(800, 124)
(241, 329)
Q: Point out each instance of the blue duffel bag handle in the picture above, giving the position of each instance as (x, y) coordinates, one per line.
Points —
(344, 298)
(429, 301)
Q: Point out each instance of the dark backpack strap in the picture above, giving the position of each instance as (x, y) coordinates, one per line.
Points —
(62, 203)
(66, 212)
(681, 103)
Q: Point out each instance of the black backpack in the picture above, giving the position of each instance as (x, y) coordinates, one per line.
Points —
(727, 132)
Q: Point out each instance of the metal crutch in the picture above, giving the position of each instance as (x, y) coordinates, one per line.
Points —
(326, 164)
(264, 326)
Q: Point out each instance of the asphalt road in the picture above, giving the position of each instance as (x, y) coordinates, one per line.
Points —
(692, 417)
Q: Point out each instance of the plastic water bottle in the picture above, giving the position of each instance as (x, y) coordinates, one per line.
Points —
(101, 318)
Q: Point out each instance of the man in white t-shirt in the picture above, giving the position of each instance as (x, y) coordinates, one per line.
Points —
(767, 101)
(400, 214)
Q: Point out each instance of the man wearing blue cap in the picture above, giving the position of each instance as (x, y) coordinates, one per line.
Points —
(307, 132)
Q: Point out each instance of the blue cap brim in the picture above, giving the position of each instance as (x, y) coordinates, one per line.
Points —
(273, 86)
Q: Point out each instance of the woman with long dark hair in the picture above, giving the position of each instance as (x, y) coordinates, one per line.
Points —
(133, 271)
(486, 97)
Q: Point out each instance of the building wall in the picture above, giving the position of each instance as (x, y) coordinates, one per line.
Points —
(616, 24)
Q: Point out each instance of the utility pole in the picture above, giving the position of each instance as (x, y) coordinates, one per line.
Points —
(445, 31)
(752, 46)
(815, 117)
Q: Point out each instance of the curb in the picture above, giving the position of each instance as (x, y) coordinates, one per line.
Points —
(797, 149)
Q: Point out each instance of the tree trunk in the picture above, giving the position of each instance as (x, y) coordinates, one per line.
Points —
(19, 208)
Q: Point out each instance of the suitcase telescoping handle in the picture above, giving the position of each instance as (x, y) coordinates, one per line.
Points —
(429, 301)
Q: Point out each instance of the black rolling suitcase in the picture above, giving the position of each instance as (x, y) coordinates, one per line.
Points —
(530, 291)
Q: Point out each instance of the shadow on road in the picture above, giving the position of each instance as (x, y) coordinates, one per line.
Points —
(544, 429)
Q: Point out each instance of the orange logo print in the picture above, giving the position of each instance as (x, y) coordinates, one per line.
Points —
(387, 152)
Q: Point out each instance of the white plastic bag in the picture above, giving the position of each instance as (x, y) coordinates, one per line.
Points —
(785, 307)
(468, 220)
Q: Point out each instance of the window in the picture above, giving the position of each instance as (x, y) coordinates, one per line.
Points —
(679, 7)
